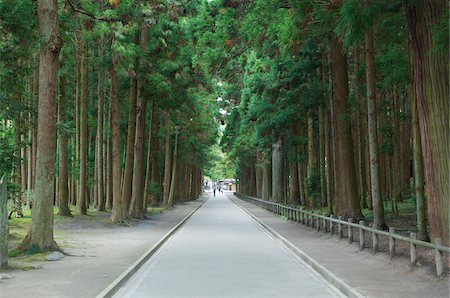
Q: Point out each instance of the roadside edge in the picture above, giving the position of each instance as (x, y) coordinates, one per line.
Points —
(127, 274)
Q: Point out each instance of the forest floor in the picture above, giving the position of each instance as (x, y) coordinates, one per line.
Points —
(372, 275)
(98, 252)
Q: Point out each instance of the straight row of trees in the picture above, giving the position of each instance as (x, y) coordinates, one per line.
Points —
(101, 108)
(341, 104)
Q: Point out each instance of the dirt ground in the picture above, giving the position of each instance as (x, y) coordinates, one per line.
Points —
(98, 253)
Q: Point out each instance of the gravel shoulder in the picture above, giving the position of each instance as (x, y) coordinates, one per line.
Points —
(98, 254)
(372, 275)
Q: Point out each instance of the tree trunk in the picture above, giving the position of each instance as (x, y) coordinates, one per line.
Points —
(294, 188)
(155, 156)
(99, 143)
(40, 233)
(323, 189)
(129, 160)
(108, 171)
(136, 209)
(63, 178)
(265, 188)
(259, 174)
(117, 208)
(148, 167)
(377, 201)
(18, 166)
(430, 79)
(174, 170)
(81, 203)
(347, 201)
(166, 183)
(277, 172)
(4, 225)
(419, 176)
(328, 165)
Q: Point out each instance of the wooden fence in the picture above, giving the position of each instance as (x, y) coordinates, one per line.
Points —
(355, 231)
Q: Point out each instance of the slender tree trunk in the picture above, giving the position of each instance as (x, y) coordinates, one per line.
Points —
(277, 172)
(136, 209)
(129, 160)
(259, 174)
(328, 165)
(294, 188)
(81, 203)
(430, 79)
(311, 160)
(4, 225)
(166, 183)
(41, 229)
(174, 170)
(265, 190)
(323, 189)
(18, 168)
(419, 176)
(99, 143)
(155, 155)
(63, 178)
(109, 168)
(148, 167)
(377, 201)
(117, 208)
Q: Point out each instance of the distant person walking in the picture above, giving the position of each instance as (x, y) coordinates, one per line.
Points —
(214, 191)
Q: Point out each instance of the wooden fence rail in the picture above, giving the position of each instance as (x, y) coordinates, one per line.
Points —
(332, 224)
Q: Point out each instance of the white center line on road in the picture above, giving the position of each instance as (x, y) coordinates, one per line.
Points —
(222, 252)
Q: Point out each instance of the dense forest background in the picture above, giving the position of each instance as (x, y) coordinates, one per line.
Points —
(340, 106)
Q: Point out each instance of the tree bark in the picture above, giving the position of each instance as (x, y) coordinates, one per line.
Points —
(419, 176)
(81, 202)
(430, 79)
(63, 178)
(174, 170)
(347, 201)
(259, 174)
(136, 209)
(148, 167)
(4, 225)
(117, 208)
(129, 159)
(41, 229)
(277, 173)
(155, 156)
(311, 160)
(166, 183)
(265, 188)
(99, 142)
(377, 201)
(109, 175)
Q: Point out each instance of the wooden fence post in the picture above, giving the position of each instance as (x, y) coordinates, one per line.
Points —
(350, 231)
(391, 243)
(374, 240)
(340, 232)
(362, 240)
(318, 223)
(438, 257)
(331, 225)
(413, 249)
(4, 225)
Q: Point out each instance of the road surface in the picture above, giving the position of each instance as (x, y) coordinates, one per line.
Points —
(222, 252)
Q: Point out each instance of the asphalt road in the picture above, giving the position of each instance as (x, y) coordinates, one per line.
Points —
(222, 252)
